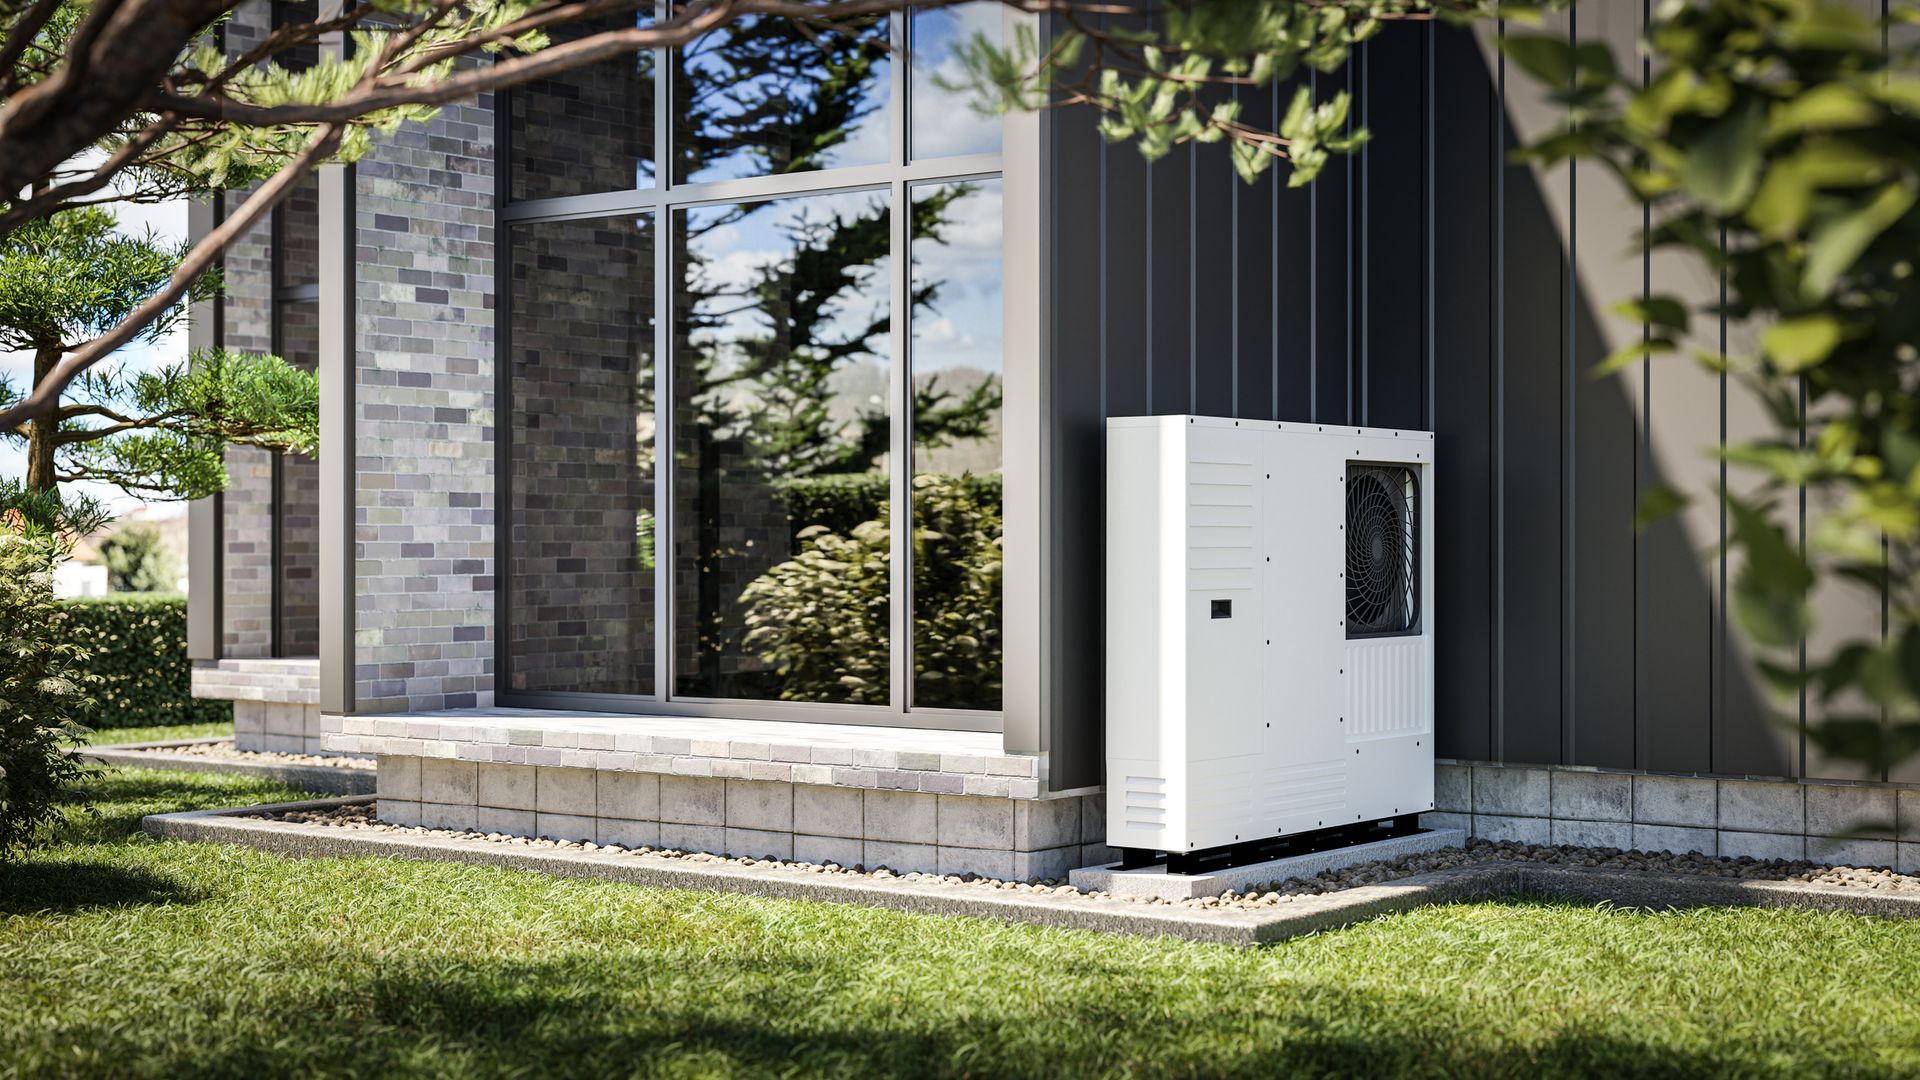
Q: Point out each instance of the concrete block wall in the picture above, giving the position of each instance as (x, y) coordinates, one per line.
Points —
(277, 726)
(996, 837)
(424, 420)
(1859, 824)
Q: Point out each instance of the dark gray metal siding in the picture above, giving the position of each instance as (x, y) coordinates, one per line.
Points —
(1426, 282)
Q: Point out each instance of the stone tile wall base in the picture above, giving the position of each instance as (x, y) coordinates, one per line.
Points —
(906, 831)
(278, 727)
(1857, 824)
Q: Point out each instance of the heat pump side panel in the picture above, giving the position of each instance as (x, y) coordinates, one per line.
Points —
(1226, 644)
(1146, 644)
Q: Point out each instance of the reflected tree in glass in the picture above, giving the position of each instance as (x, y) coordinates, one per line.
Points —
(763, 98)
(780, 380)
(957, 375)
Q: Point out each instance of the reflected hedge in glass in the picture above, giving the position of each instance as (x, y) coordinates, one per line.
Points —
(762, 98)
(957, 386)
(580, 572)
(584, 131)
(780, 378)
(944, 123)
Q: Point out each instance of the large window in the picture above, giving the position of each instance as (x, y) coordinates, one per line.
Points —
(827, 278)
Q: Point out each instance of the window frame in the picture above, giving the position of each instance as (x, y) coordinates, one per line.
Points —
(898, 177)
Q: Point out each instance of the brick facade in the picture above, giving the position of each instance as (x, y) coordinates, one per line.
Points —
(423, 420)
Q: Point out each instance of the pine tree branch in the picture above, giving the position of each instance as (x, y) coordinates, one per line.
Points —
(45, 396)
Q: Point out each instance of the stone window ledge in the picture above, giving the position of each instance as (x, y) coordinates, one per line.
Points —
(288, 681)
(834, 755)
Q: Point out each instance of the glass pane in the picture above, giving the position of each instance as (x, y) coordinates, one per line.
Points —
(581, 564)
(944, 122)
(761, 98)
(246, 567)
(584, 131)
(781, 430)
(957, 387)
(297, 503)
(297, 231)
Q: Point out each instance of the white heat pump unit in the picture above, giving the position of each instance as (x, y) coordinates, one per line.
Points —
(1269, 634)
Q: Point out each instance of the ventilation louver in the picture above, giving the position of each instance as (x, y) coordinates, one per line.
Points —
(1383, 555)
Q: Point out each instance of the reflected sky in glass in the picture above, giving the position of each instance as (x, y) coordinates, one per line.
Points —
(759, 98)
(944, 123)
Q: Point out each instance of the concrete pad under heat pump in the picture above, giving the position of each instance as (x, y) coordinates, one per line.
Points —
(1156, 882)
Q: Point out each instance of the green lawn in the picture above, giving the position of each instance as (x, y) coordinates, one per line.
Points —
(123, 956)
(160, 733)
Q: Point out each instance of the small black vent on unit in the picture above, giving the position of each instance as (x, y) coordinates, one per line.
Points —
(1383, 550)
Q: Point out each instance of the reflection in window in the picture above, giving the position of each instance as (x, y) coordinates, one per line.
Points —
(957, 387)
(580, 573)
(296, 234)
(762, 98)
(297, 500)
(944, 122)
(781, 431)
(584, 131)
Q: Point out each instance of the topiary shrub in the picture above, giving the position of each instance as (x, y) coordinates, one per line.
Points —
(138, 643)
(42, 690)
(820, 618)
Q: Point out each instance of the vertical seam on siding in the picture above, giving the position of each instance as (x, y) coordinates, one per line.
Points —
(1570, 428)
(1499, 545)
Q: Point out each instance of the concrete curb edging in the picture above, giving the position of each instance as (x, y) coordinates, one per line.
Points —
(1303, 915)
(152, 755)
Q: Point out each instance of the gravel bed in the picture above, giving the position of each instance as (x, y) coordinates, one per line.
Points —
(224, 751)
(360, 816)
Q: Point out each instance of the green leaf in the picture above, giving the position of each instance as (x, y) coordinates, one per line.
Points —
(1836, 244)
(1626, 355)
(1800, 343)
(1656, 504)
(1660, 310)
(1652, 109)
(1723, 166)
(1770, 593)
(1546, 57)
(1827, 107)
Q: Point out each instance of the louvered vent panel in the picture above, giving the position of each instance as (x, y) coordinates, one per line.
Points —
(1385, 693)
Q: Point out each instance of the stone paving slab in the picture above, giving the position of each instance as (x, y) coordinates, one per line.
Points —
(1156, 882)
(152, 755)
(1305, 915)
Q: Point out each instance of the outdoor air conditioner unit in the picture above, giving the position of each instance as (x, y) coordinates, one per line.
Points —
(1269, 632)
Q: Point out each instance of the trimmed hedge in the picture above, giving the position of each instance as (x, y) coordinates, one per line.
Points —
(139, 647)
(843, 501)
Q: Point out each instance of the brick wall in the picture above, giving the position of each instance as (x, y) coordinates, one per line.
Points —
(247, 525)
(423, 499)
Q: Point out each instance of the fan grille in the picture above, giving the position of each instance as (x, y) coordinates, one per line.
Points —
(1383, 553)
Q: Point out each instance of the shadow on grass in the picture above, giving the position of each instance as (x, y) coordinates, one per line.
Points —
(755, 1017)
(108, 803)
(63, 887)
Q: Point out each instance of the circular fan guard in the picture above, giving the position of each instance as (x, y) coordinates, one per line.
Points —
(1383, 563)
